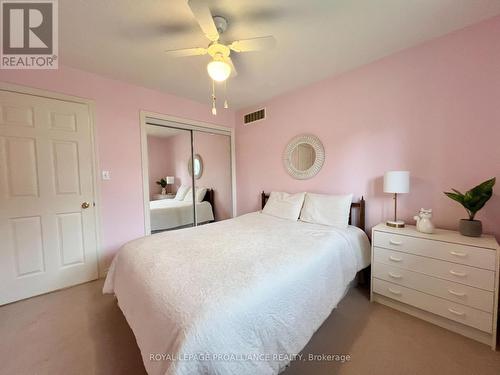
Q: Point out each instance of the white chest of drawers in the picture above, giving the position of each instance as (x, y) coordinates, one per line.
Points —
(157, 197)
(445, 278)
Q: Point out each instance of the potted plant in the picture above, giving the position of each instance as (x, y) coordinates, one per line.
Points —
(473, 200)
(163, 184)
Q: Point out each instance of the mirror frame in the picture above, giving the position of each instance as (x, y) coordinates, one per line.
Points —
(316, 144)
(197, 176)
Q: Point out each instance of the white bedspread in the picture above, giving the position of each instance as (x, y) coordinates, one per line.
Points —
(171, 213)
(228, 297)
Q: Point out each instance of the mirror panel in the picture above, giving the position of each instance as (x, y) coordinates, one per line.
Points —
(214, 154)
(169, 149)
(303, 156)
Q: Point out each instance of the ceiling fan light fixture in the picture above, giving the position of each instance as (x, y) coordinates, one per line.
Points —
(218, 70)
(221, 66)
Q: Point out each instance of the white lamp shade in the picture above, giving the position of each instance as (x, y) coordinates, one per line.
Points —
(170, 180)
(397, 182)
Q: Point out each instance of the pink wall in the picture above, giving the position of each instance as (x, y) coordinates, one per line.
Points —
(433, 109)
(117, 109)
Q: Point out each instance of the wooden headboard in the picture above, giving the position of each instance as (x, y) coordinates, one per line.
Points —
(209, 197)
(359, 206)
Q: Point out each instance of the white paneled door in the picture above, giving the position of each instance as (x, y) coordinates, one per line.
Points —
(47, 218)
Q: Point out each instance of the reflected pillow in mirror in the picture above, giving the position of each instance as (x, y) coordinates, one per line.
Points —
(200, 194)
(284, 205)
(326, 209)
(181, 192)
(189, 195)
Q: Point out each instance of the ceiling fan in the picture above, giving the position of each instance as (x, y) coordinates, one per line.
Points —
(221, 66)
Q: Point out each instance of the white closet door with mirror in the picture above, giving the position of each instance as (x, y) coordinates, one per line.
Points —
(179, 157)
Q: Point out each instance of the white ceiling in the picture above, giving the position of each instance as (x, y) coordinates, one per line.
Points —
(125, 39)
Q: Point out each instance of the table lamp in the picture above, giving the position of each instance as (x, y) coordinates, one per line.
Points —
(396, 182)
(170, 180)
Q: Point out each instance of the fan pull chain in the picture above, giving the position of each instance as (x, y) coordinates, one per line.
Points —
(226, 106)
(214, 108)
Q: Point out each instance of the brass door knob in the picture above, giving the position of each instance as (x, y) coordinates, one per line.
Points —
(85, 205)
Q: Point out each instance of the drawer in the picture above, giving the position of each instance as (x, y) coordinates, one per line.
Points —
(472, 276)
(453, 311)
(468, 255)
(467, 295)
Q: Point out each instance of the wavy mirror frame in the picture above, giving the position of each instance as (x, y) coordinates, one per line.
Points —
(318, 162)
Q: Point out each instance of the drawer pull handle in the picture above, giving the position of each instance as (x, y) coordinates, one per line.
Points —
(394, 291)
(394, 259)
(393, 242)
(458, 254)
(459, 313)
(460, 274)
(395, 275)
(458, 294)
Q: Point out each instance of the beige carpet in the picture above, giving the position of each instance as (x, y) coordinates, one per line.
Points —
(80, 331)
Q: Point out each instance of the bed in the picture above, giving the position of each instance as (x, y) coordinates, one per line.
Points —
(240, 296)
(170, 213)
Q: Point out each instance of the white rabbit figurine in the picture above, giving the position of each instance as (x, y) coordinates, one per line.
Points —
(424, 223)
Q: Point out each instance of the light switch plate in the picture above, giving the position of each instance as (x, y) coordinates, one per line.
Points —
(106, 175)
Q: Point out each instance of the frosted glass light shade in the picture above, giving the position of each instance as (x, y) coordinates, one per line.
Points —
(170, 180)
(397, 182)
(218, 70)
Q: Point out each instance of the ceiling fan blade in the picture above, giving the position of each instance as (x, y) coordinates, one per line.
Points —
(234, 72)
(184, 52)
(253, 44)
(203, 16)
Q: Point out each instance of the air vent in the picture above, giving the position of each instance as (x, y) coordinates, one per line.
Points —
(254, 116)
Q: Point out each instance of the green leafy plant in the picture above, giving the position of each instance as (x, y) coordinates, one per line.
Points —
(162, 182)
(474, 199)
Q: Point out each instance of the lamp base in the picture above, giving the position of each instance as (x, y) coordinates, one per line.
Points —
(395, 224)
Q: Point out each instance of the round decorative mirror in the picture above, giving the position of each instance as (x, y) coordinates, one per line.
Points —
(197, 165)
(304, 156)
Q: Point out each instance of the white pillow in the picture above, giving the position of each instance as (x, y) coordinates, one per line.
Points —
(284, 205)
(199, 192)
(181, 193)
(325, 209)
(189, 195)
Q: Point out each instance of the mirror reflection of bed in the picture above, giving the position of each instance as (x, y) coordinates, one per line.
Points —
(168, 214)
(173, 155)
